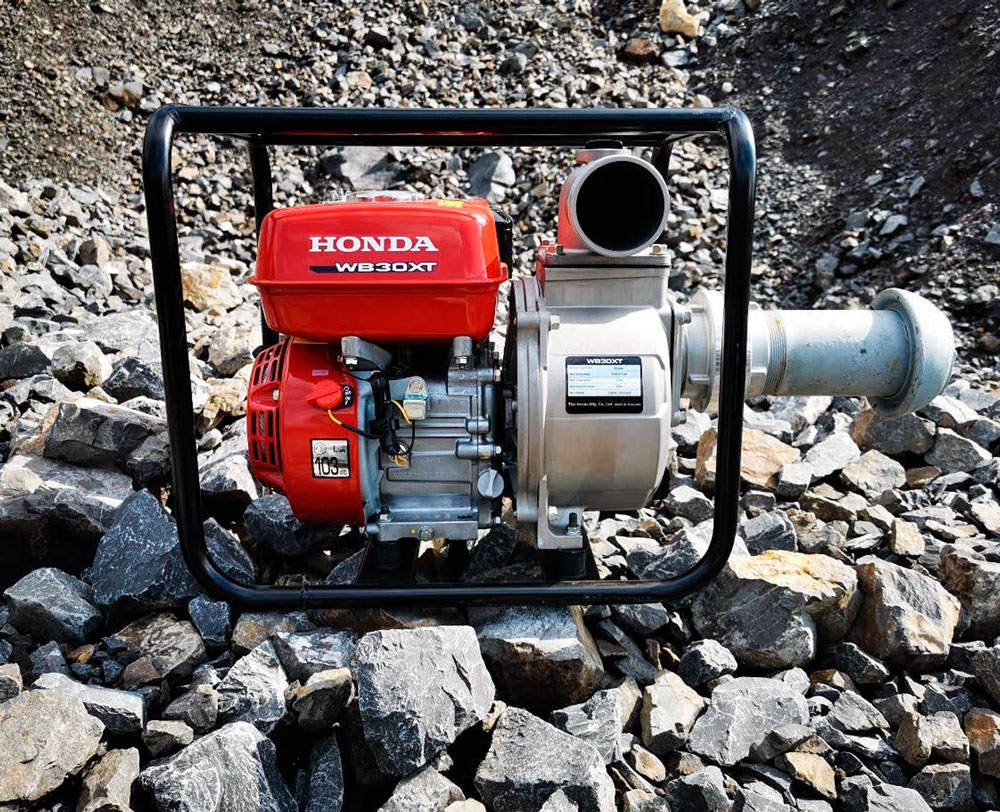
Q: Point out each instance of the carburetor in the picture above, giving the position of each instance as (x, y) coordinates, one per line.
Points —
(385, 405)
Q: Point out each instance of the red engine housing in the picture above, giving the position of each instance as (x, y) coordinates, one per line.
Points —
(384, 270)
(295, 448)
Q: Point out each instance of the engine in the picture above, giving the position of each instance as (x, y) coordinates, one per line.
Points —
(386, 406)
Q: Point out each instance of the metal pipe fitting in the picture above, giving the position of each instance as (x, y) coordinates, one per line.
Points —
(614, 204)
(898, 354)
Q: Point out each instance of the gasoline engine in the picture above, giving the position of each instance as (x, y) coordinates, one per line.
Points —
(386, 406)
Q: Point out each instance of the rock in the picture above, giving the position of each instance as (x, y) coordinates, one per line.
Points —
(230, 770)
(254, 690)
(810, 769)
(122, 712)
(703, 791)
(945, 786)
(741, 714)
(253, 628)
(637, 800)
(762, 459)
(231, 348)
(407, 722)
(133, 377)
(492, 176)
(643, 619)
(20, 361)
(81, 365)
(670, 709)
(832, 454)
(424, 791)
(873, 473)
(325, 790)
(48, 659)
(689, 503)
(208, 286)
(139, 565)
(907, 619)
(704, 661)
(769, 531)
(107, 784)
(852, 713)
(750, 800)
(640, 50)
(90, 433)
(598, 721)
(793, 480)
(983, 730)
(769, 610)
(952, 452)
(164, 737)
(861, 793)
(211, 619)
(528, 760)
(306, 653)
(559, 801)
(198, 708)
(976, 583)
(859, 665)
(986, 665)
(542, 657)
(676, 19)
(48, 604)
(11, 683)
(364, 168)
(47, 738)
(227, 485)
(907, 434)
(271, 525)
(939, 735)
(318, 704)
(171, 647)
(781, 740)
(688, 433)
(905, 539)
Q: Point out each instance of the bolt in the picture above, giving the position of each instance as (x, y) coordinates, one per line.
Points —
(554, 321)
(560, 250)
(656, 249)
(275, 394)
(497, 376)
(350, 361)
(425, 533)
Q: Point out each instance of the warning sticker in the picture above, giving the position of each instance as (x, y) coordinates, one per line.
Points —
(331, 459)
(603, 383)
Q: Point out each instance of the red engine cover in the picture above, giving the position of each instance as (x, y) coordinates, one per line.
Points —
(295, 448)
(385, 270)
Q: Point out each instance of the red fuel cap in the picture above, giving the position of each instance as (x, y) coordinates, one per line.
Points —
(326, 394)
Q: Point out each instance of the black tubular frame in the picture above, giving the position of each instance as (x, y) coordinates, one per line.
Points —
(261, 127)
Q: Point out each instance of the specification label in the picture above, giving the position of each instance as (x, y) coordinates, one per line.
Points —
(603, 383)
(331, 459)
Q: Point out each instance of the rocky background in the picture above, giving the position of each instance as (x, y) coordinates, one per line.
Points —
(847, 658)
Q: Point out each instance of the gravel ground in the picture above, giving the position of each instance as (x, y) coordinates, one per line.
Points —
(848, 656)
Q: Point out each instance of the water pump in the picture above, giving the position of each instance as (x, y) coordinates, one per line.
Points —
(383, 399)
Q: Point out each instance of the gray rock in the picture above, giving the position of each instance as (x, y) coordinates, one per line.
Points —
(907, 434)
(254, 690)
(253, 628)
(319, 703)
(794, 479)
(703, 791)
(306, 653)
(22, 360)
(559, 801)
(325, 790)
(670, 709)
(800, 411)
(648, 559)
(637, 800)
(860, 792)
(781, 740)
(231, 348)
(976, 583)
(107, 784)
(47, 738)
(139, 566)
(952, 452)
(48, 659)
(852, 713)
(407, 722)
(643, 619)
(873, 473)
(230, 770)
(364, 168)
(227, 485)
(529, 760)
(164, 737)
(986, 664)
(741, 714)
(749, 800)
(48, 604)
(945, 786)
(704, 661)
(171, 648)
(271, 525)
(122, 712)
(689, 432)
(832, 454)
(80, 365)
(689, 503)
(11, 683)
(858, 664)
(598, 721)
(770, 610)
(212, 620)
(769, 531)
(940, 735)
(198, 708)
(133, 377)
(542, 657)
(424, 791)
(907, 619)
(491, 176)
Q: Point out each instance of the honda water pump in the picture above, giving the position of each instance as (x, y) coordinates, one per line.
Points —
(390, 403)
